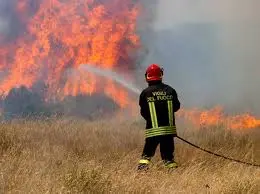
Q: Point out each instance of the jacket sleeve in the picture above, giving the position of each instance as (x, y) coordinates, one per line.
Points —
(176, 102)
(143, 106)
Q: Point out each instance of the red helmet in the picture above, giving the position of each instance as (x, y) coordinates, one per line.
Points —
(154, 73)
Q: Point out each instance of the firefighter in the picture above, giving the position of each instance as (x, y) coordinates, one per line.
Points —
(158, 103)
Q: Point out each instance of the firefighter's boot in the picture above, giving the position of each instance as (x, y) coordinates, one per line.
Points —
(143, 163)
(170, 164)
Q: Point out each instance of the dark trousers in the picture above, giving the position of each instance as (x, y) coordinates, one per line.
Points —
(166, 147)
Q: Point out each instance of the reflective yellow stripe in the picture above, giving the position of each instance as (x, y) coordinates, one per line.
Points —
(171, 165)
(170, 112)
(167, 130)
(161, 129)
(144, 161)
(159, 133)
(153, 114)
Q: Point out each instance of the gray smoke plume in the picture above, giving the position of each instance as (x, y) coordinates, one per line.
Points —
(210, 51)
(23, 103)
(11, 25)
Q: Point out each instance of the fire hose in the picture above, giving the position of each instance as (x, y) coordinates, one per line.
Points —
(218, 155)
(136, 90)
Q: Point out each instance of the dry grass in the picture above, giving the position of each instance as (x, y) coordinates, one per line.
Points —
(75, 156)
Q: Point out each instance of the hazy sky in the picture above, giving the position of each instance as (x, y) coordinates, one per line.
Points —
(173, 12)
(210, 51)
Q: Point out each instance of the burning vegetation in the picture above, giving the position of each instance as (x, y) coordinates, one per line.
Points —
(24, 103)
(56, 37)
(217, 117)
(62, 35)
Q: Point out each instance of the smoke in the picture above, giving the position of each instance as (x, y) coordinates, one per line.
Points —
(210, 51)
(10, 24)
(29, 103)
(4, 20)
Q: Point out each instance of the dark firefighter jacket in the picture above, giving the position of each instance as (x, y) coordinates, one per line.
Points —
(158, 103)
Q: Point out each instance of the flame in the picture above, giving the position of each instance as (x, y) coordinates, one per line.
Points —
(58, 36)
(61, 35)
(216, 116)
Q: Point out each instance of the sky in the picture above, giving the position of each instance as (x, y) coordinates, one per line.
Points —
(210, 51)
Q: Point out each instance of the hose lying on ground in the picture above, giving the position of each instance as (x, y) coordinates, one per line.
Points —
(215, 154)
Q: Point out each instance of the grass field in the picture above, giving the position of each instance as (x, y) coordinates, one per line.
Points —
(76, 156)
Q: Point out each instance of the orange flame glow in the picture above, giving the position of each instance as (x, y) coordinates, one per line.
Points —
(60, 35)
(216, 116)
(65, 34)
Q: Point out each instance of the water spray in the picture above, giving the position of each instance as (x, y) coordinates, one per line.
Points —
(112, 75)
(119, 79)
